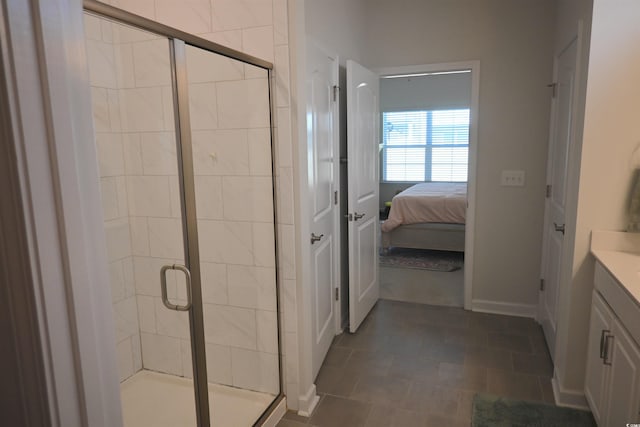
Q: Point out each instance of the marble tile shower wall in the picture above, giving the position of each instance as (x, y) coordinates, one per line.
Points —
(240, 338)
(113, 183)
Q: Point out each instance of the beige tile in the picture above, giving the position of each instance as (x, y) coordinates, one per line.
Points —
(193, 16)
(102, 64)
(243, 104)
(147, 313)
(100, 109)
(231, 38)
(258, 41)
(126, 318)
(280, 22)
(139, 236)
(132, 153)
(230, 326)
(222, 152)
(259, 141)
(171, 323)
(255, 371)
(142, 110)
(109, 196)
(159, 153)
(214, 283)
(151, 63)
(248, 199)
(252, 287)
(237, 247)
(110, 154)
(125, 359)
(207, 67)
(165, 238)
(118, 239)
(267, 332)
(263, 244)
(161, 353)
(281, 72)
(203, 109)
(149, 196)
(233, 14)
(139, 7)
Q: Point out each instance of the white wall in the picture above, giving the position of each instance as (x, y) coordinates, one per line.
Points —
(611, 134)
(513, 41)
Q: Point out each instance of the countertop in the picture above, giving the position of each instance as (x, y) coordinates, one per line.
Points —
(619, 253)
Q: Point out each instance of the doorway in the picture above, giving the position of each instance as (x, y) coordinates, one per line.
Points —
(183, 134)
(428, 160)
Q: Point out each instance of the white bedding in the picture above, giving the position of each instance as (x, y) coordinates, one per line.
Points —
(441, 202)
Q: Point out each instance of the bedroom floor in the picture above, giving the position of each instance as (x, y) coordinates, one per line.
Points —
(422, 286)
(420, 365)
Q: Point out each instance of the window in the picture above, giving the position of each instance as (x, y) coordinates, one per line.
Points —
(428, 145)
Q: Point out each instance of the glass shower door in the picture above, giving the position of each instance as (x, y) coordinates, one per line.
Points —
(229, 118)
(132, 89)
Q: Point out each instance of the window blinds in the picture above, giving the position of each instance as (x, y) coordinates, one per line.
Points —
(430, 145)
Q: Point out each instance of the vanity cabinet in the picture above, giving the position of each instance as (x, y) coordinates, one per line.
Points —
(612, 380)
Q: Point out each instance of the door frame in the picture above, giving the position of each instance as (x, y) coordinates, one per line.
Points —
(469, 237)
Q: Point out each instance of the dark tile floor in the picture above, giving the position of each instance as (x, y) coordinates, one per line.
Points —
(420, 365)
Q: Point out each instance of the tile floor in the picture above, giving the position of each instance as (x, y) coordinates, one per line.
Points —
(420, 365)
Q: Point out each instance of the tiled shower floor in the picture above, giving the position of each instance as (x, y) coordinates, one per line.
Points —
(151, 399)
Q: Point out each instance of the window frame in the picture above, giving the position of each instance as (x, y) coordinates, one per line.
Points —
(428, 145)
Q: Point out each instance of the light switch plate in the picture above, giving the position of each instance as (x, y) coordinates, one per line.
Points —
(513, 178)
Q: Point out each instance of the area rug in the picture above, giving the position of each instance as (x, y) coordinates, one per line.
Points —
(422, 259)
(493, 411)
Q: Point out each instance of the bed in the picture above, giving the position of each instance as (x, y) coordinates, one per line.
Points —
(429, 215)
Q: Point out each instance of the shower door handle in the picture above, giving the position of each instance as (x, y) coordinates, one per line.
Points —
(163, 287)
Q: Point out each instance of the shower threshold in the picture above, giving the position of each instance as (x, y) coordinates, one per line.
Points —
(157, 400)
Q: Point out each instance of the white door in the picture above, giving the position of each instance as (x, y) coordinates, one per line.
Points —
(323, 163)
(561, 135)
(362, 175)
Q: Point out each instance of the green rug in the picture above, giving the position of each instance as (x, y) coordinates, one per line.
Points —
(493, 411)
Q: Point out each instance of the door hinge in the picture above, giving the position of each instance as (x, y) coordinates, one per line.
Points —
(337, 294)
(554, 88)
(336, 88)
(548, 191)
(335, 197)
(541, 284)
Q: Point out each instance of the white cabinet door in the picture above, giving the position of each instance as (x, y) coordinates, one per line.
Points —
(596, 375)
(624, 372)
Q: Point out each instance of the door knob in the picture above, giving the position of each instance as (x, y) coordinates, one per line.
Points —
(357, 216)
(315, 238)
(559, 228)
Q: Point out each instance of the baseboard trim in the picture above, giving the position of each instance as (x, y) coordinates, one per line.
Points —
(307, 402)
(510, 309)
(569, 398)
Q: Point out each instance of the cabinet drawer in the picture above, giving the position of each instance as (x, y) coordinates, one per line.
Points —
(625, 307)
